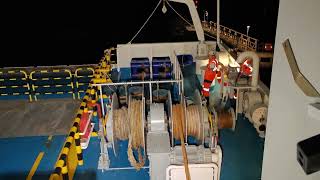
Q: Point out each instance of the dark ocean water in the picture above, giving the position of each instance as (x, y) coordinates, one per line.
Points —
(35, 34)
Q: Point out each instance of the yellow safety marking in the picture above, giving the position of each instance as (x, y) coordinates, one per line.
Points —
(94, 134)
(44, 78)
(15, 94)
(11, 72)
(1, 79)
(59, 92)
(13, 79)
(3, 87)
(44, 71)
(56, 70)
(35, 166)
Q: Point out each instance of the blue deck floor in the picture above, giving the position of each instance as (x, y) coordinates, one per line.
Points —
(17, 156)
(242, 157)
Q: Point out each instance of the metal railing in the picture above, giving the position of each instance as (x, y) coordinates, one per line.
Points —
(230, 36)
(41, 82)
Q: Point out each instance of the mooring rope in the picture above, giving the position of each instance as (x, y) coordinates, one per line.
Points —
(128, 125)
(121, 123)
(179, 117)
(225, 119)
(193, 121)
(136, 140)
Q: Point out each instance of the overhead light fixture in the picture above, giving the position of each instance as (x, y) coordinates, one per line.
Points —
(164, 8)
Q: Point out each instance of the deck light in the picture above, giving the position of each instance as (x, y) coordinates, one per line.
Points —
(164, 9)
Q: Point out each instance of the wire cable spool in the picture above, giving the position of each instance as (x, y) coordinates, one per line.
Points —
(136, 136)
(192, 122)
(226, 119)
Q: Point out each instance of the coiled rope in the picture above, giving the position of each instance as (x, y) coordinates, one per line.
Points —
(136, 140)
(193, 123)
(121, 123)
(178, 119)
(226, 119)
(128, 125)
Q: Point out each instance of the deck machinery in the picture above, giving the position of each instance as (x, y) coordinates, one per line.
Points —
(151, 99)
(153, 113)
(149, 107)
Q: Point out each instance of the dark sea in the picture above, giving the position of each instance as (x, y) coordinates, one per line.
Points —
(54, 33)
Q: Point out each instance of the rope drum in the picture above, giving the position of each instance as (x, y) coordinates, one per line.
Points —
(136, 140)
(193, 123)
(226, 119)
(121, 123)
(128, 124)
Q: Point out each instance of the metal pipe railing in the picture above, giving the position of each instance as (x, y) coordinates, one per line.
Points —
(237, 39)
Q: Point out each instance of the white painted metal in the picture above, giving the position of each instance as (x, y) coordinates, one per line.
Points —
(197, 171)
(158, 143)
(196, 155)
(157, 118)
(110, 124)
(136, 82)
(314, 111)
(101, 101)
(287, 115)
(125, 52)
(104, 161)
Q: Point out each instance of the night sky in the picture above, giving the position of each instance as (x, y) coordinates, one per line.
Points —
(53, 33)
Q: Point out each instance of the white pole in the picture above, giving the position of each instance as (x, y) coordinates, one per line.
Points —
(136, 82)
(218, 22)
(248, 27)
(150, 92)
(101, 101)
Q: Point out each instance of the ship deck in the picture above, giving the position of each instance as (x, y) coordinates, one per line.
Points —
(242, 156)
(22, 141)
